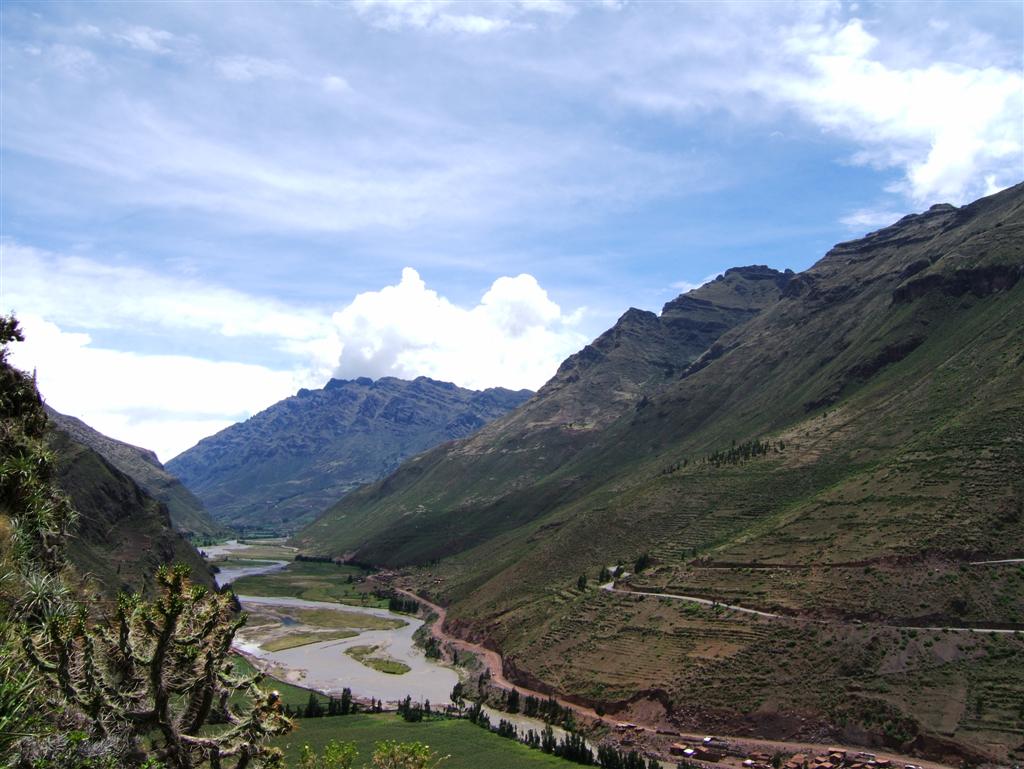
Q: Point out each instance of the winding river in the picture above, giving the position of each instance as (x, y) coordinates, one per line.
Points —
(325, 666)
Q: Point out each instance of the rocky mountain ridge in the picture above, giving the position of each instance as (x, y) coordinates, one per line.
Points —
(283, 466)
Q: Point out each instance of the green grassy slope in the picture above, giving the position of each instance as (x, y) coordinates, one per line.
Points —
(187, 513)
(518, 467)
(122, 534)
(467, 746)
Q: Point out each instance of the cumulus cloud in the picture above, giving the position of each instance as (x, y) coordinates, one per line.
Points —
(514, 337)
(163, 402)
(946, 126)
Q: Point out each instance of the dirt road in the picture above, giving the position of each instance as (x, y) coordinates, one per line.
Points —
(610, 587)
(493, 661)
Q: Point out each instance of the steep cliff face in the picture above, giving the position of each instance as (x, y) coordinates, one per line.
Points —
(187, 513)
(513, 469)
(122, 534)
(283, 466)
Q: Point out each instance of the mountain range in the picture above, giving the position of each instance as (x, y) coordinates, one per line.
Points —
(841, 449)
(284, 465)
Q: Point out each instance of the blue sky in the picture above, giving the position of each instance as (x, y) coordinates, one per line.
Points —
(209, 205)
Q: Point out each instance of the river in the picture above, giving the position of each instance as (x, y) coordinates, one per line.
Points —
(326, 667)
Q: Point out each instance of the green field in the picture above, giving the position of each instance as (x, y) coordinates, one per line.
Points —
(365, 656)
(313, 581)
(467, 746)
(294, 640)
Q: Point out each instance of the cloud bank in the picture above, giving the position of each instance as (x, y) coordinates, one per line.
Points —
(89, 364)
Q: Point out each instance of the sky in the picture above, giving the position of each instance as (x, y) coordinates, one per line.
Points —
(205, 206)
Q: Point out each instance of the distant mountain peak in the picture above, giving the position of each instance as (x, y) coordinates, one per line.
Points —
(293, 459)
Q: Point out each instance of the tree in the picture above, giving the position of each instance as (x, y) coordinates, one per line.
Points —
(581, 583)
(313, 707)
(512, 702)
(409, 755)
(457, 695)
(151, 676)
(336, 755)
(547, 739)
(346, 701)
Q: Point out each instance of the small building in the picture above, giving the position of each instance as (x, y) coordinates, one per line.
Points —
(710, 755)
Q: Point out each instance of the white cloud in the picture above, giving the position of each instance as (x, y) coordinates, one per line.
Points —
(868, 219)
(460, 17)
(143, 38)
(133, 297)
(336, 84)
(162, 402)
(514, 337)
(685, 285)
(72, 60)
(554, 7)
(945, 125)
(470, 23)
(245, 69)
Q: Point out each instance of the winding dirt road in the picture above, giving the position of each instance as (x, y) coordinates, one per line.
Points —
(610, 587)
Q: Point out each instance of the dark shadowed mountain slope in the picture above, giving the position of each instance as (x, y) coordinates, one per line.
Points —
(847, 458)
(283, 466)
(512, 470)
(122, 534)
(187, 513)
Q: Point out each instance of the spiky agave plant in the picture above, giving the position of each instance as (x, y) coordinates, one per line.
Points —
(152, 675)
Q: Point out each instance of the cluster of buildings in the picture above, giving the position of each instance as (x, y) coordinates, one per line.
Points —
(834, 758)
(713, 750)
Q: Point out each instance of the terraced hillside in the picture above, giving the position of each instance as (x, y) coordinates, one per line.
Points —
(842, 457)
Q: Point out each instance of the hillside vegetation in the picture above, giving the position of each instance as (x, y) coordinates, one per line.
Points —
(187, 513)
(843, 454)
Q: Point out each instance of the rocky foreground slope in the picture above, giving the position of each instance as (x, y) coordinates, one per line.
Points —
(283, 466)
(846, 457)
